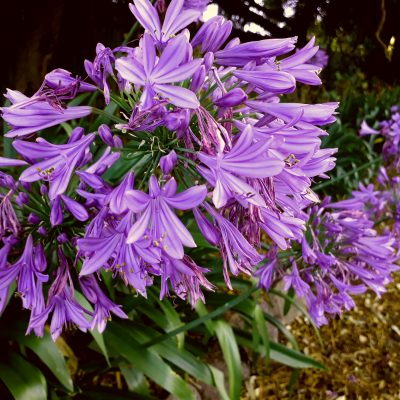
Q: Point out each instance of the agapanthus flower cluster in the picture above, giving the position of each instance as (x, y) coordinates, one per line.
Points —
(198, 137)
(342, 254)
(390, 130)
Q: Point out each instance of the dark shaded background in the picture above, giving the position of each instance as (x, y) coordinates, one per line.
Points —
(38, 36)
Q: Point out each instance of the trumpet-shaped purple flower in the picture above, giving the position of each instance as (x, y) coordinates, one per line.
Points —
(61, 78)
(101, 68)
(294, 280)
(27, 270)
(297, 66)
(166, 230)
(117, 198)
(213, 34)
(30, 115)
(237, 253)
(186, 278)
(58, 161)
(176, 18)
(246, 159)
(233, 98)
(168, 162)
(199, 5)
(260, 51)
(103, 306)
(11, 162)
(156, 77)
(106, 247)
(310, 114)
(62, 303)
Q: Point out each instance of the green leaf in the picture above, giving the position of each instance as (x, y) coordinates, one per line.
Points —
(215, 313)
(263, 330)
(97, 336)
(173, 319)
(23, 379)
(286, 306)
(51, 355)
(293, 358)
(146, 361)
(219, 382)
(135, 380)
(283, 355)
(182, 358)
(230, 350)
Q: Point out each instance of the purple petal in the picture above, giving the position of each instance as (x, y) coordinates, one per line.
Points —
(178, 96)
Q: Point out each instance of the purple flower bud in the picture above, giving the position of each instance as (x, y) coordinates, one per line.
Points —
(231, 99)
(33, 219)
(75, 208)
(118, 142)
(60, 78)
(21, 199)
(43, 190)
(168, 162)
(76, 135)
(117, 198)
(198, 79)
(208, 60)
(106, 135)
(213, 34)
(42, 231)
(26, 186)
(92, 180)
(56, 214)
(40, 258)
(62, 238)
(6, 181)
(207, 229)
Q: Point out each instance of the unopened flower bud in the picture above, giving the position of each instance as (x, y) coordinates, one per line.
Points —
(231, 99)
(168, 162)
(21, 199)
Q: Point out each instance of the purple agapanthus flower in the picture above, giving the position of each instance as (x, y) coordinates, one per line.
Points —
(240, 54)
(186, 278)
(176, 18)
(103, 306)
(62, 304)
(58, 161)
(237, 253)
(30, 115)
(28, 270)
(61, 78)
(198, 5)
(165, 228)
(246, 159)
(101, 68)
(213, 34)
(156, 76)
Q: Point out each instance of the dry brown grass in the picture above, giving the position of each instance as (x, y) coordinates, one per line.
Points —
(361, 349)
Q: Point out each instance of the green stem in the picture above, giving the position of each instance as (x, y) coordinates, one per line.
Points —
(215, 313)
(108, 115)
(129, 35)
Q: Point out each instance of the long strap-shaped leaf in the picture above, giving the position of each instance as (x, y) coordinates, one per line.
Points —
(23, 379)
(215, 313)
(147, 361)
